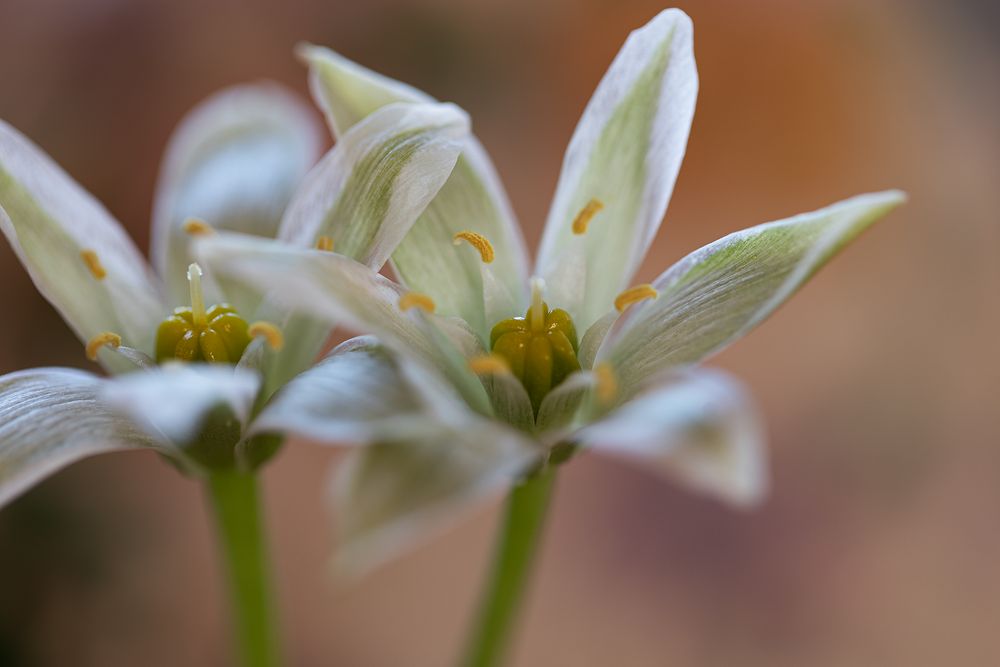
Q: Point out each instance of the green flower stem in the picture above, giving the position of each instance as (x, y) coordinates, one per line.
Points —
(235, 500)
(522, 527)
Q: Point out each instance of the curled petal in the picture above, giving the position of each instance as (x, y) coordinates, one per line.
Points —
(700, 429)
(51, 417)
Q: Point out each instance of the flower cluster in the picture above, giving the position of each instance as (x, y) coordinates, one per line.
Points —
(475, 371)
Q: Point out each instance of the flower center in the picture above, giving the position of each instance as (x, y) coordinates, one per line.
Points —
(217, 335)
(540, 348)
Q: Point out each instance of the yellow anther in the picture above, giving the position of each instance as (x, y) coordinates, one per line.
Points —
(416, 300)
(196, 227)
(269, 332)
(93, 263)
(324, 243)
(490, 364)
(585, 215)
(605, 383)
(477, 241)
(634, 295)
(106, 339)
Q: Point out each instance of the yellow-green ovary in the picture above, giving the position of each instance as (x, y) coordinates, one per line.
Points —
(221, 339)
(541, 352)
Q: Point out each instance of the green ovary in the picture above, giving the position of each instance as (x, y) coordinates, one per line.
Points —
(220, 338)
(540, 349)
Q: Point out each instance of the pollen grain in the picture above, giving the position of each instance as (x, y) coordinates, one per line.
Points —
(489, 364)
(634, 295)
(93, 263)
(477, 241)
(324, 243)
(416, 300)
(269, 332)
(196, 227)
(105, 339)
(586, 214)
(605, 383)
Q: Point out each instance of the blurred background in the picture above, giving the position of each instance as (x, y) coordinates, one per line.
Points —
(880, 543)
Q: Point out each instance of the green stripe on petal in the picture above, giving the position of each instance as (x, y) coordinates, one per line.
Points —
(473, 199)
(368, 191)
(719, 292)
(50, 220)
(625, 153)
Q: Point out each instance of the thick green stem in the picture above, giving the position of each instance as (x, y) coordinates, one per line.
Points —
(518, 542)
(234, 498)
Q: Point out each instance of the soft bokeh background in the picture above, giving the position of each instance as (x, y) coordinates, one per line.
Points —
(880, 544)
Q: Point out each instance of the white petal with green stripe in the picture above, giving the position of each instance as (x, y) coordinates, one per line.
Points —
(367, 192)
(719, 292)
(50, 220)
(625, 153)
(473, 199)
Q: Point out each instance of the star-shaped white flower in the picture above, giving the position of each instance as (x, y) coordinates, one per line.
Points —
(235, 162)
(486, 374)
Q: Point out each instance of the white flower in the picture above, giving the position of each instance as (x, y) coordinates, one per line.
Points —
(458, 410)
(235, 162)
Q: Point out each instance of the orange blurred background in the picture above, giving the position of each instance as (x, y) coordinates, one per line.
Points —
(880, 543)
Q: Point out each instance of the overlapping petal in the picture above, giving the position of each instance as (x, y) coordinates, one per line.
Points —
(234, 162)
(625, 153)
(175, 402)
(391, 494)
(51, 417)
(699, 428)
(368, 191)
(355, 395)
(473, 199)
(343, 291)
(719, 292)
(78, 256)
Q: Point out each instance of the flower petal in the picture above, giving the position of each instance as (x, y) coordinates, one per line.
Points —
(702, 430)
(625, 153)
(721, 291)
(51, 417)
(369, 190)
(473, 199)
(174, 401)
(391, 494)
(342, 291)
(355, 395)
(78, 256)
(233, 162)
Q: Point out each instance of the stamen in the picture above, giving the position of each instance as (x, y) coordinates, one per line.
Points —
(93, 263)
(477, 241)
(269, 332)
(416, 300)
(537, 309)
(196, 227)
(634, 295)
(106, 339)
(324, 243)
(586, 214)
(197, 296)
(490, 364)
(606, 383)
